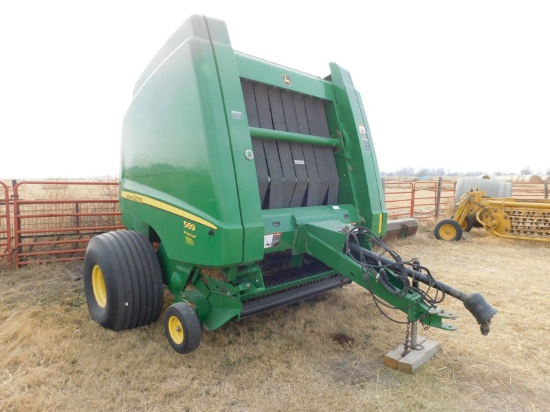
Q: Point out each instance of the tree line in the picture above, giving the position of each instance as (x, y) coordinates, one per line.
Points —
(409, 171)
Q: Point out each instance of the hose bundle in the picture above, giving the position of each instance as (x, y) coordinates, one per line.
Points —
(403, 272)
(382, 269)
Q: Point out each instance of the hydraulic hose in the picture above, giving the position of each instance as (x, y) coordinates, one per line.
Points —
(474, 302)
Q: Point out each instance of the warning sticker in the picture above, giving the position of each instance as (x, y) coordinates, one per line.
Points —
(272, 240)
(366, 144)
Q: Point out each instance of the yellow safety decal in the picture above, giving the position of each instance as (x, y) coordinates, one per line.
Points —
(380, 223)
(134, 197)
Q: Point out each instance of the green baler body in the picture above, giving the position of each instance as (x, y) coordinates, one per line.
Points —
(225, 156)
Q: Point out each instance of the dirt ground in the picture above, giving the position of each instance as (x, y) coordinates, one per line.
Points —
(53, 357)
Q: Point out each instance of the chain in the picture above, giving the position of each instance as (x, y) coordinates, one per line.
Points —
(407, 347)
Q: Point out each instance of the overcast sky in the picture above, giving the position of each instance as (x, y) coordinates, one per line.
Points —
(459, 85)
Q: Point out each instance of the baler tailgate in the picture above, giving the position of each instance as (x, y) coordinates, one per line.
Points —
(290, 174)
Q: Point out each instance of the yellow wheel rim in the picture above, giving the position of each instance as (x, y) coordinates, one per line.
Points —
(464, 225)
(98, 285)
(175, 328)
(447, 232)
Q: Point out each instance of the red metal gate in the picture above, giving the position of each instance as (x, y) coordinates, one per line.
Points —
(530, 190)
(425, 199)
(5, 224)
(54, 221)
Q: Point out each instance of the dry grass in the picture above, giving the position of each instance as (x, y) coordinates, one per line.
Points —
(53, 357)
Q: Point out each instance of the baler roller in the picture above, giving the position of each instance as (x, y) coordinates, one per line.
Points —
(290, 274)
(292, 296)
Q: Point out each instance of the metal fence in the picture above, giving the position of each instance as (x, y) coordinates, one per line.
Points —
(5, 224)
(53, 221)
(419, 199)
(530, 190)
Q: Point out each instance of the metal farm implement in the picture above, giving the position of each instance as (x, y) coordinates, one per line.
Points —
(246, 186)
(510, 218)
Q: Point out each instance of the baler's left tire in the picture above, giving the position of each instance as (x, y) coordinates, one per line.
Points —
(122, 280)
(182, 327)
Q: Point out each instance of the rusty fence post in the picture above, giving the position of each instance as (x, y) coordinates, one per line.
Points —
(5, 226)
(438, 197)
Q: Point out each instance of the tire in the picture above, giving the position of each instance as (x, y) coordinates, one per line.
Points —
(468, 223)
(122, 280)
(182, 327)
(448, 229)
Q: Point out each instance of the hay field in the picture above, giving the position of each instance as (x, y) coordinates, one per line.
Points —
(53, 357)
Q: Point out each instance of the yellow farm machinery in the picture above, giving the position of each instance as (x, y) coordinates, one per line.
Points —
(501, 217)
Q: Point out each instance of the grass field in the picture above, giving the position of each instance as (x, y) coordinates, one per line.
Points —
(53, 357)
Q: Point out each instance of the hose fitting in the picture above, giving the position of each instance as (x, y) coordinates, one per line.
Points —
(481, 309)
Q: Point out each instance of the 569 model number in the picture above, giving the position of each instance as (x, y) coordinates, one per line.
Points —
(189, 226)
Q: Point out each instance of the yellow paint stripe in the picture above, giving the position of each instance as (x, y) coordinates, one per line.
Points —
(134, 197)
(380, 223)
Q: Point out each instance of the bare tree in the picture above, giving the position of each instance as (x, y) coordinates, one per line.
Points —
(526, 171)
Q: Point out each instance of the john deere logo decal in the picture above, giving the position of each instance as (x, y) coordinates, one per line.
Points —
(287, 80)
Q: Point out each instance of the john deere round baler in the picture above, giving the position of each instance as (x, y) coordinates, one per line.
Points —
(245, 186)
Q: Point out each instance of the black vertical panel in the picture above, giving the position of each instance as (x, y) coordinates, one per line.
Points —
(332, 171)
(296, 149)
(317, 120)
(312, 195)
(257, 144)
(275, 192)
(290, 174)
(285, 156)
